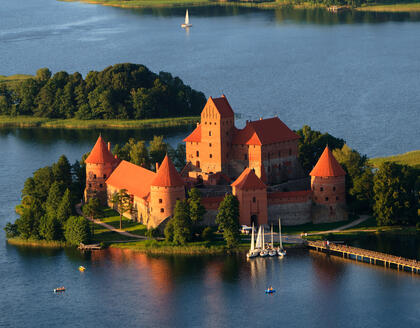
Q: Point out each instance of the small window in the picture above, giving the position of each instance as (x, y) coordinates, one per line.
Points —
(321, 189)
(211, 156)
(269, 169)
(245, 157)
(160, 200)
(94, 176)
(334, 188)
(104, 176)
(197, 153)
(290, 151)
(100, 185)
(210, 144)
(254, 199)
(314, 188)
(336, 198)
(227, 133)
(326, 199)
(90, 185)
(210, 123)
(162, 210)
(210, 133)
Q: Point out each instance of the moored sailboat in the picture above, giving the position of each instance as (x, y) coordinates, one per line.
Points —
(272, 251)
(263, 252)
(187, 21)
(280, 251)
(252, 251)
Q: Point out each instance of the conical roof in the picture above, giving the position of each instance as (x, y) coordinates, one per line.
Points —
(327, 166)
(248, 180)
(167, 175)
(100, 153)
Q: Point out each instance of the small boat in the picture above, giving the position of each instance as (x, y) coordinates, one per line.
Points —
(187, 21)
(59, 289)
(82, 268)
(272, 252)
(264, 253)
(252, 251)
(270, 290)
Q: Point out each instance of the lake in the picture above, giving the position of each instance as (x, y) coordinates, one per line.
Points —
(355, 75)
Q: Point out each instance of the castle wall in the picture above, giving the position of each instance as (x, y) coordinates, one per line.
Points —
(293, 208)
(211, 205)
(329, 190)
(252, 206)
(162, 203)
(329, 213)
(96, 175)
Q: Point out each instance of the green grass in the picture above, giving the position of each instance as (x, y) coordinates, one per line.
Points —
(400, 7)
(30, 121)
(112, 218)
(36, 242)
(310, 227)
(13, 79)
(411, 158)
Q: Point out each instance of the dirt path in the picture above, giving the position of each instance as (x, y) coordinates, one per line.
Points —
(344, 227)
(109, 227)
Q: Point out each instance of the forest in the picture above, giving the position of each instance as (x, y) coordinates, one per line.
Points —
(121, 91)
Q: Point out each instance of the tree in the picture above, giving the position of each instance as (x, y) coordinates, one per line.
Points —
(92, 209)
(196, 209)
(62, 171)
(77, 230)
(65, 208)
(157, 149)
(138, 154)
(50, 228)
(43, 75)
(11, 230)
(169, 230)
(395, 194)
(181, 223)
(227, 220)
(122, 202)
(28, 223)
(54, 198)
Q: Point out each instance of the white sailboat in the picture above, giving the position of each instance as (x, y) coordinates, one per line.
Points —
(252, 251)
(187, 21)
(272, 251)
(280, 251)
(263, 252)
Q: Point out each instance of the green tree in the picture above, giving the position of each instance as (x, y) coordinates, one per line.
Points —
(62, 171)
(138, 154)
(196, 209)
(181, 223)
(169, 230)
(50, 228)
(28, 223)
(39, 185)
(395, 194)
(11, 230)
(122, 202)
(65, 208)
(54, 199)
(92, 210)
(77, 230)
(43, 75)
(227, 220)
(157, 149)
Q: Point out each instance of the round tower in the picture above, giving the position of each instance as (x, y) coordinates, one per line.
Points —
(328, 183)
(99, 165)
(167, 187)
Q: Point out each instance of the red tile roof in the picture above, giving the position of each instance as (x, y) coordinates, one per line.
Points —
(195, 136)
(100, 153)
(222, 105)
(327, 166)
(167, 175)
(136, 179)
(264, 132)
(248, 180)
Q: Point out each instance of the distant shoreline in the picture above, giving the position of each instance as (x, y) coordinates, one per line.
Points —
(400, 7)
(43, 122)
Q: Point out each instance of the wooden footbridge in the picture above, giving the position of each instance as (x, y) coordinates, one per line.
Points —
(366, 256)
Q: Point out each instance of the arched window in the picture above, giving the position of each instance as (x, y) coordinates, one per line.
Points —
(197, 153)
(160, 200)
(162, 210)
(104, 176)
(210, 133)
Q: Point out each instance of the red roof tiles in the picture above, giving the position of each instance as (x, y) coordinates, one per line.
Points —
(248, 180)
(264, 132)
(327, 166)
(222, 105)
(167, 175)
(100, 153)
(195, 136)
(135, 179)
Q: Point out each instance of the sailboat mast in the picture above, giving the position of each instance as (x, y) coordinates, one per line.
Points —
(281, 242)
(272, 241)
(252, 238)
(263, 241)
(187, 18)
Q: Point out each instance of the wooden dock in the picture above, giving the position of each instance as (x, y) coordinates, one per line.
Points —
(91, 247)
(366, 256)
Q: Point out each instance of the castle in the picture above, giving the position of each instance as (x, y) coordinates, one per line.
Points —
(258, 164)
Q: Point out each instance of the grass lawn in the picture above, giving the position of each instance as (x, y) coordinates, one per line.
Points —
(411, 158)
(111, 217)
(30, 121)
(12, 79)
(310, 227)
(400, 7)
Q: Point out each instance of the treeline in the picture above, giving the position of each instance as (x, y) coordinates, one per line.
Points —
(122, 91)
(391, 192)
(328, 3)
(48, 203)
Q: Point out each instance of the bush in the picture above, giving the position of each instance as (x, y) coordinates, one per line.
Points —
(207, 234)
(77, 230)
(11, 230)
(153, 233)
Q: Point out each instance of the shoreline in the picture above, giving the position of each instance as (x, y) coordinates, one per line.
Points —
(143, 4)
(42, 122)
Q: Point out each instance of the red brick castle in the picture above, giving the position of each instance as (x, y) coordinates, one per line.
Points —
(258, 164)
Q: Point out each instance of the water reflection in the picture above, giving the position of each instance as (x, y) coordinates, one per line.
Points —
(283, 15)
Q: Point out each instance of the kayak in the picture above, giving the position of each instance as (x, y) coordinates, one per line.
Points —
(82, 268)
(59, 289)
(270, 291)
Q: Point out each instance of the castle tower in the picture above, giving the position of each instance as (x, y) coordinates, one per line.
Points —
(328, 184)
(99, 165)
(252, 195)
(166, 188)
(208, 146)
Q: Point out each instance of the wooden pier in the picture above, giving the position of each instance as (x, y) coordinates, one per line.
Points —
(91, 247)
(366, 256)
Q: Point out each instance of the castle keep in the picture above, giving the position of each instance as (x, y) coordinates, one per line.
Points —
(258, 164)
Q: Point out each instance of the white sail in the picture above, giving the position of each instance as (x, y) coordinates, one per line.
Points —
(280, 239)
(252, 238)
(258, 243)
(272, 241)
(263, 241)
(187, 18)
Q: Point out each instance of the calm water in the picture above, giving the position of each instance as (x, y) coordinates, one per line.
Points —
(354, 75)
